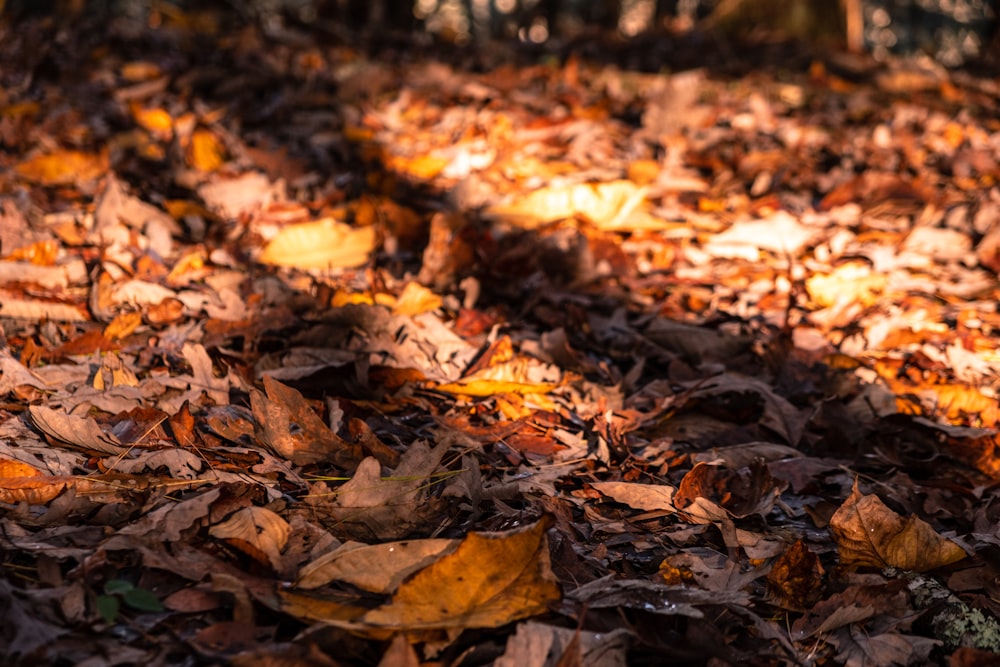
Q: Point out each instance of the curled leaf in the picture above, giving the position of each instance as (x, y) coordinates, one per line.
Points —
(870, 534)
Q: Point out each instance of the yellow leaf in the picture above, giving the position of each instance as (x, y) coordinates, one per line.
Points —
(61, 168)
(423, 167)
(849, 282)
(487, 580)
(493, 388)
(416, 299)
(20, 109)
(321, 244)
(156, 121)
(490, 580)
(206, 152)
(606, 205)
(40, 253)
(123, 325)
(869, 534)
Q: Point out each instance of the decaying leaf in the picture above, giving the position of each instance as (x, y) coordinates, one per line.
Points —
(373, 506)
(869, 534)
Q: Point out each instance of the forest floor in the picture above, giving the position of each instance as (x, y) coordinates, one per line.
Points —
(671, 353)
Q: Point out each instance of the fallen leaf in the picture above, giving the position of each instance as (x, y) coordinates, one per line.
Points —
(78, 432)
(62, 168)
(206, 152)
(377, 568)
(321, 244)
(607, 205)
(649, 497)
(290, 428)
(257, 532)
(490, 580)
(869, 534)
(796, 578)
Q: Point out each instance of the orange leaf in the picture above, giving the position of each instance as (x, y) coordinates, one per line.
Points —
(157, 121)
(123, 325)
(62, 168)
(490, 580)
(22, 483)
(869, 534)
(206, 152)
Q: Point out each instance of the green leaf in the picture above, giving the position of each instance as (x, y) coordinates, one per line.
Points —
(107, 607)
(142, 600)
(117, 586)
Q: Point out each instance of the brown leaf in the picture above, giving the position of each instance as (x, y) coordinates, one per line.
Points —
(648, 497)
(490, 580)
(378, 568)
(796, 578)
(869, 534)
(742, 492)
(290, 428)
(79, 432)
(257, 532)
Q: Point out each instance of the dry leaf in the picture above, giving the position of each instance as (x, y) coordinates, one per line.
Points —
(322, 244)
(289, 427)
(22, 483)
(78, 432)
(416, 299)
(257, 532)
(490, 580)
(373, 507)
(869, 534)
(649, 497)
(378, 568)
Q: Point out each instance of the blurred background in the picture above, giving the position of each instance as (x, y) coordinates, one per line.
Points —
(953, 32)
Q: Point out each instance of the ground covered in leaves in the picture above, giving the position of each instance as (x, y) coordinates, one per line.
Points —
(314, 357)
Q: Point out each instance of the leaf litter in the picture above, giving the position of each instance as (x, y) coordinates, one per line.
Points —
(554, 362)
